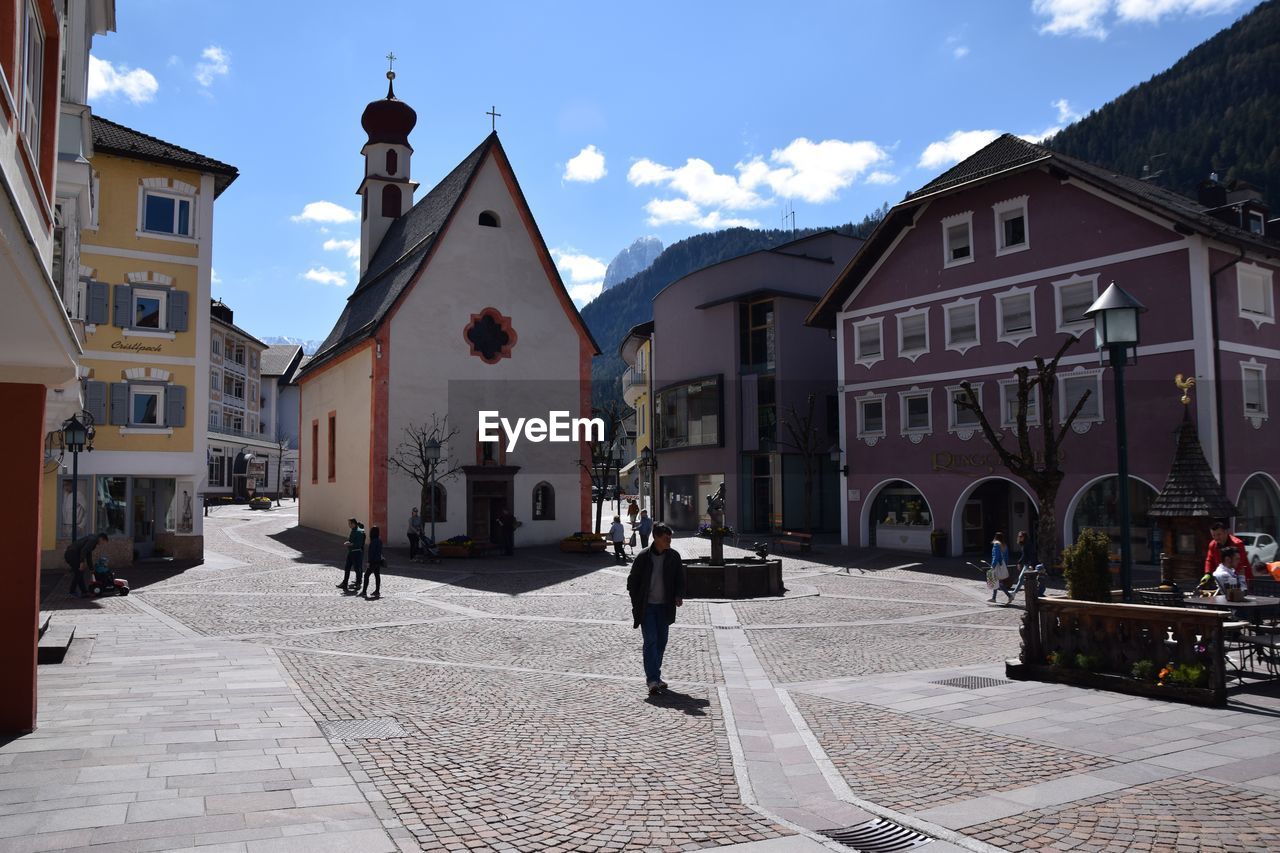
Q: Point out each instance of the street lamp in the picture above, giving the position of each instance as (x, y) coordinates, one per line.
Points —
(432, 454)
(1115, 318)
(835, 457)
(646, 468)
(617, 482)
(76, 435)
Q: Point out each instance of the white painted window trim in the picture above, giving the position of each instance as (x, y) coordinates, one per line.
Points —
(149, 333)
(1015, 338)
(1256, 419)
(863, 434)
(962, 431)
(1079, 326)
(1003, 207)
(1007, 423)
(160, 293)
(912, 355)
(977, 323)
(176, 190)
(148, 388)
(146, 430)
(965, 218)
(1263, 277)
(1081, 424)
(914, 434)
(878, 322)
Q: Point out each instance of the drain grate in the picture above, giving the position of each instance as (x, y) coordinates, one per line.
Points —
(373, 728)
(877, 836)
(972, 682)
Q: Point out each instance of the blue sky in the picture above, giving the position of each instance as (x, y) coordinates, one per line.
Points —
(659, 118)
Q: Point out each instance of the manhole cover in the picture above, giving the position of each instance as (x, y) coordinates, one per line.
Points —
(877, 836)
(373, 728)
(972, 682)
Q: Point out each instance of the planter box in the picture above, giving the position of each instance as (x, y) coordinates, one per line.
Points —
(454, 550)
(595, 546)
(1019, 671)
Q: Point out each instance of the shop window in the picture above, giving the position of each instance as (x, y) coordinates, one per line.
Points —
(111, 494)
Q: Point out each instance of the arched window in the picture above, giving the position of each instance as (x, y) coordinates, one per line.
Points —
(391, 201)
(489, 219)
(393, 161)
(438, 506)
(544, 502)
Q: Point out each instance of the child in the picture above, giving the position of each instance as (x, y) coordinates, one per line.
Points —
(375, 564)
(103, 578)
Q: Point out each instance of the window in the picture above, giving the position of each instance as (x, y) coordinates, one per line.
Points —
(766, 413)
(962, 418)
(1254, 376)
(217, 465)
(391, 201)
(688, 415)
(148, 309)
(756, 336)
(489, 219)
(436, 504)
(333, 446)
(1256, 223)
(1074, 296)
(110, 505)
(315, 451)
(957, 239)
(253, 361)
(1072, 387)
(544, 502)
(146, 405)
(917, 412)
(233, 420)
(867, 345)
(1011, 226)
(215, 379)
(32, 72)
(962, 324)
(1016, 315)
(1009, 404)
(393, 161)
(236, 352)
(913, 333)
(233, 387)
(166, 214)
(1257, 303)
(871, 417)
(216, 346)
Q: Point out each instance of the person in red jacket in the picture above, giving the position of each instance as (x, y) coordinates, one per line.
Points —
(1221, 538)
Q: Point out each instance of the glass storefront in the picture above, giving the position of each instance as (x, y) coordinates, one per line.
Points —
(900, 518)
(1099, 509)
(1259, 507)
(112, 494)
(684, 499)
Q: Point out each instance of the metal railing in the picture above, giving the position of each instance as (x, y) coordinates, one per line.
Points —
(631, 377)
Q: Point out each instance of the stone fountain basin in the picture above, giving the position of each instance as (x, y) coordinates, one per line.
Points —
(736, 578)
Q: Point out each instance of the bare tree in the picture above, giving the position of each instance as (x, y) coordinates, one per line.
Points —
(601, 457)
(284, 443)
(806, 440)
(413, 457)
(1040, 469)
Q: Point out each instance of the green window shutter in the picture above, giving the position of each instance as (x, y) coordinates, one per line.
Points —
(120, 403)
(98, 310)
(123, 306)
(175, 406)
(177, 311)
(95, 400)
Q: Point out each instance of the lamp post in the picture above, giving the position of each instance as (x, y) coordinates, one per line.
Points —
(75, 436)
(1115, 318)
(646, 467)
(617, 480)
(432, 454)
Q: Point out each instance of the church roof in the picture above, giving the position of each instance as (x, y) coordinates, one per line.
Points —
(1191, 490)
(401, 255)
(112, 138)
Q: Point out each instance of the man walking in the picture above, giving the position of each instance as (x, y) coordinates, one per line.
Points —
(79, 556)
(656, 587)
(646, 528)
(355, 557)
(414, 533)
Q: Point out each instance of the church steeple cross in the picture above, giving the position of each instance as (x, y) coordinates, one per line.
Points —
(493, 115)
(391, 62)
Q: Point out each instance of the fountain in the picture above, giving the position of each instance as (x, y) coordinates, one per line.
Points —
(717, 577)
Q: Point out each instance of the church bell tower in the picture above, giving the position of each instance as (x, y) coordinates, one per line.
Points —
(386, 193)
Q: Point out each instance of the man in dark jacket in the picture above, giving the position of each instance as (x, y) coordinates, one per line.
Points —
(355, 556)
(656, 586)
(79, 556)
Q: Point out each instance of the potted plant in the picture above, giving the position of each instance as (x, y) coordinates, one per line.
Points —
(1087, 566)
(584, 543)
(456, 546)
(938, 542)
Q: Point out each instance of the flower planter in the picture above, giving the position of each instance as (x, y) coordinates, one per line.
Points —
(590, 546)
(1019, 671)
(447, 550)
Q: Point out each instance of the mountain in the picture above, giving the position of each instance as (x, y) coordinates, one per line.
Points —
(632, 260)
(308, 347)
(1215, 110)
(611, 314)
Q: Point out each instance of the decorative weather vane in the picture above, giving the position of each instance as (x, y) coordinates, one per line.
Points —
(1185, 385)
(494, 115)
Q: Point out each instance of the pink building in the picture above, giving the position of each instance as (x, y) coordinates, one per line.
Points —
(992, 264)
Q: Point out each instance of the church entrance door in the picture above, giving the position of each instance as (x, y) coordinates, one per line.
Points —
(489, 492)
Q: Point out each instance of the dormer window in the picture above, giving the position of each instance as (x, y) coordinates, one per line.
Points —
(489, 219)
(1256, 223)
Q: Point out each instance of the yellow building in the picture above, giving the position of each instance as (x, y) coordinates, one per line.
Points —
(636, 351)
(147, 265)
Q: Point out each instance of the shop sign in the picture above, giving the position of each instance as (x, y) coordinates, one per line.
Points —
(135, 346)
(978, 463)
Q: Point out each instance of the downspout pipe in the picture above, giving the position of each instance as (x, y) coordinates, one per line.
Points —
(1217, 361)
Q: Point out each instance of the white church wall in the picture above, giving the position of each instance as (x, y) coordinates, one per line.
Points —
(343, 388)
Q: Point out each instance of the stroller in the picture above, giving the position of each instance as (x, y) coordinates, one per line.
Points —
(429, 551)
(105, 582)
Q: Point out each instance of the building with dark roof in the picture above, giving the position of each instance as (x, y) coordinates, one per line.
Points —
(992, 264)
(459, 308)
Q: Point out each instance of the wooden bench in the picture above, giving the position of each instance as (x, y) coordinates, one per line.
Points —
(802, 542)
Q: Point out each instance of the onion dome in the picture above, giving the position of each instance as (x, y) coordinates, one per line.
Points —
(389, 120)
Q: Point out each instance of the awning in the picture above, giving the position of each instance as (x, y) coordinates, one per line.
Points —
(626, 469)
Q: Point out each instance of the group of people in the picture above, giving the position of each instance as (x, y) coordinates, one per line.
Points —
(1226, 564)
(355, 545)
(618, 535)
(1001, 563)
(80, 559)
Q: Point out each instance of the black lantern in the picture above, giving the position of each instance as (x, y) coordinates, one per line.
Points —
(75, 435)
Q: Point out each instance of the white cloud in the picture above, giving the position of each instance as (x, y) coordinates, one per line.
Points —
(107, 80)
(681, 211)
(214, 62)
(1065, 113)
(214, 278)
(955, 147)
(583, 275)
(324, 211)
(814, 171)
(960, 51)
(324, 275)
(587, 166)
(351, 247)
(1089, 17)
(581, 294)
(1151, 11)
(699, 182)
(882, 178)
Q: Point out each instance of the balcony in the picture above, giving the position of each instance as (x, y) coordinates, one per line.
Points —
(635, 383)
(238, 433)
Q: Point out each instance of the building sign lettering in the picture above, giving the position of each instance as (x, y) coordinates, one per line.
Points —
(136, 346)
(979, 463)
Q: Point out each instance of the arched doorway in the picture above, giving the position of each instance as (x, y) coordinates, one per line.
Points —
(1259, 506)
(987, 506)
(898, 517)
(1097, 506)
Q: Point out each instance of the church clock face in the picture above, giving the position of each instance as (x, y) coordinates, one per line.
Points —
(490, 336)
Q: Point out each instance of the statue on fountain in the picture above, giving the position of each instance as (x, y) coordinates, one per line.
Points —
(715, 511)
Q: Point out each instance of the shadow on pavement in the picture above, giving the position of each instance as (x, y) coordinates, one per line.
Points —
(677, 701)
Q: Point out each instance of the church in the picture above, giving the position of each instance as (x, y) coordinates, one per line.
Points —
(459, 309)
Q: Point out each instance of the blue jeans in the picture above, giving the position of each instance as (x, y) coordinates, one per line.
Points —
(1022, 579)
(653, 626)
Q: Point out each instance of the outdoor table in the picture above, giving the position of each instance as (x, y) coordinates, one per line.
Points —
(1260, 648)
(1252, 607)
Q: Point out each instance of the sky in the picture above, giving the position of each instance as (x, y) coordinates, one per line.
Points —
(621, 121)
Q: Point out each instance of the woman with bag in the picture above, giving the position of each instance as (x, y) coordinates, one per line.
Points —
(999, 571)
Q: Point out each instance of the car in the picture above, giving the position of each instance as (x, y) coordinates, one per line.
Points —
(1261, 547)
